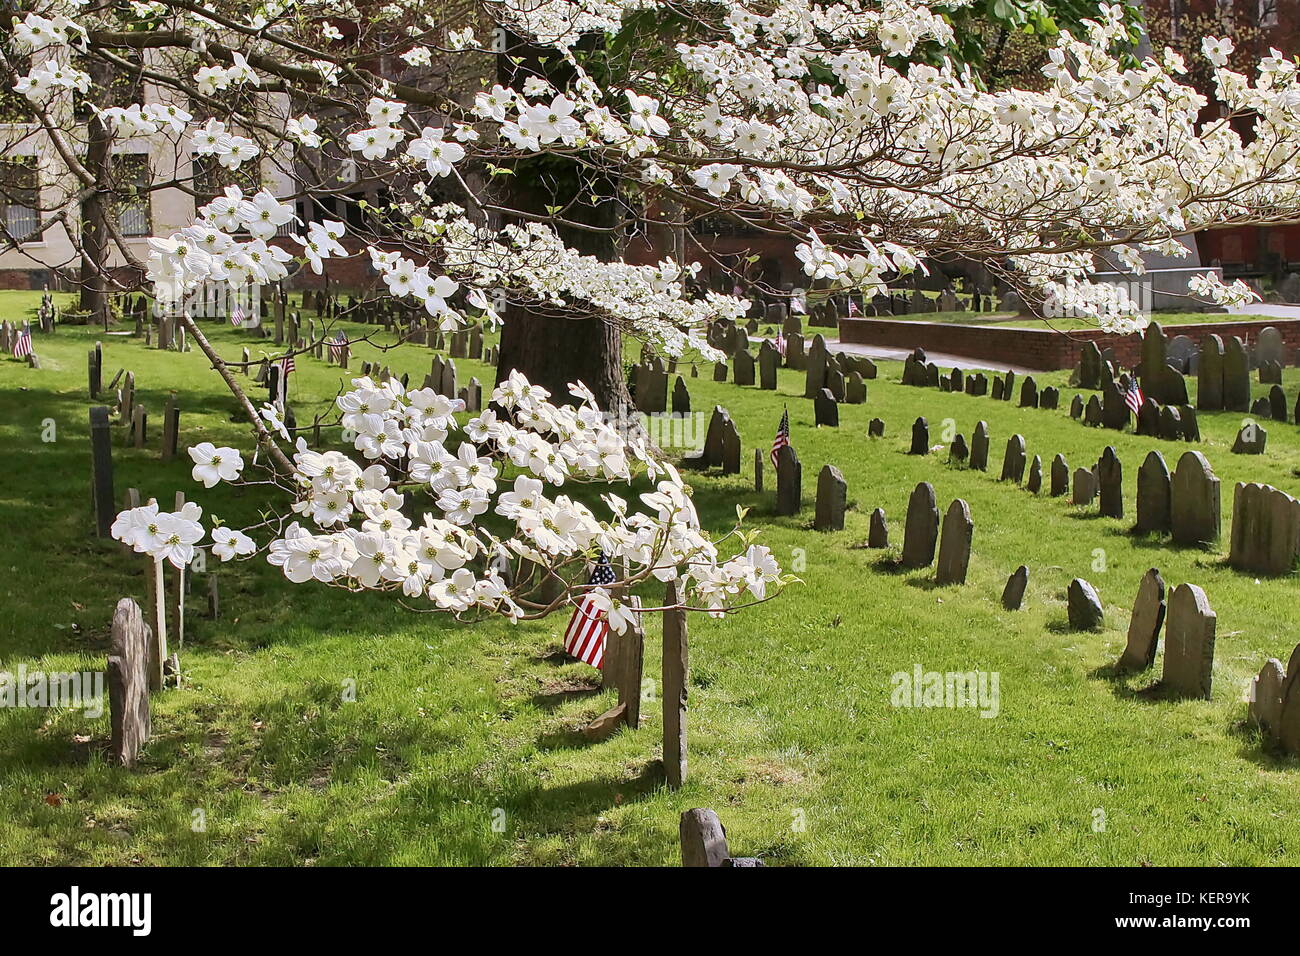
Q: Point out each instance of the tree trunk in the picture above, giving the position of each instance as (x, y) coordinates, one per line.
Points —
(94, 218)
(552, 352)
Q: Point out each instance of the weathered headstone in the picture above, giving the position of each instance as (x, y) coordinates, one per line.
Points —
(875, 428)
(920, 438)
(681, 397)
(1189, 643)
(789, 481)
(1060, 476)
(954, 544)
(1153, 495)
(101, 471)
(1144, 626)
(1013, 595)
(1236, 376)
(1083, 606)
(704, 841)
(878, 531)
(730, 448)
(675, 675)
(1209, 374)
(1085, 487)
(979, 447)
(1265, 530)
(1251, 440)
(1110, 481)
(921, 530)
(832, 500)
(1035, 483)
(1013, 461)
(1266, 697)
(958, 450)
(768, 360)
(128, 683)
(1194, 501)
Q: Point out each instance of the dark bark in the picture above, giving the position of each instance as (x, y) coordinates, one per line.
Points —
(550, 351)
(95, 210)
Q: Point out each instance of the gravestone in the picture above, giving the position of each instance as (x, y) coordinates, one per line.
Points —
(1191, 424)
(954, 545)
(1084, 606)
(720, 371)
(743, 367)
(997, 389)
(1180, 352)
(768, 359)
(815, 376)
(675, 676)
(1090, 366)
(876, 428)
(1189, 643)
(101, 471)
(1236, 376)
(1265, 530)
(979, 447)
(1092, 414)
(1060, 476)
(835, 382)
(730, 448)
(1110, 481)
(1270, 373)
(1194, 501)
(171, 428)
(1209, 374)
(1076, 407)
(1153, 495)
(703, 839)
(1148, 419)
(1251, 440)
(789, 481)
(758, 469)
(1050, 398)
(832, 500)
(1266, 697)
(920, 438)
(977, 384)
(1013, 461)
(1035, 483)
(958, 452)
(878, 532)
(1029, 393)
(1277, 404)
(1085, 487)
(826, 411)
(128, 683)
(1270, 349)
(921, 530)
(855, 389)
(681, 397)
(1013, 595)
(1144, 626)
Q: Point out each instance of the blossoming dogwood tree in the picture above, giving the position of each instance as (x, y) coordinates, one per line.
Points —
(513, 146)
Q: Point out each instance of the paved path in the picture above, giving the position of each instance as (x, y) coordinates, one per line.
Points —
(1264, 308)
(939, 358)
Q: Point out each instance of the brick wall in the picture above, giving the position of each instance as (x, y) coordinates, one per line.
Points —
(1038, 348)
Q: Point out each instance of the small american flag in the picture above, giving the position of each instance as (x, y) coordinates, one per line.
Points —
(782, 439)
(287, 365)
(584, 638)
(337, 345)
(1133, 397)
(853, 307)
(237, 316)
(23, 344)
(780, 344)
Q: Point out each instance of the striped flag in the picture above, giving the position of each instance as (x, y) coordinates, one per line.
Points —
(23, 344)
(337, 345)
(237, 316)
(853, 307)
(780, 344)
(1133, 397)
(286, 366)
(584, 638)
(782, 439)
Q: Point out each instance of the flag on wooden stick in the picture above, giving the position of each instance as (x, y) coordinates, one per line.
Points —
(23, 344)
(1133, 396)
(584, 638)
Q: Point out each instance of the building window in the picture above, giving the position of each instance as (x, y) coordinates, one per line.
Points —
(20, 197)
(133, 194)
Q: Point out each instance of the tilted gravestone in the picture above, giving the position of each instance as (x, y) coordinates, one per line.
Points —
(1060, 476)
(1013, 595)
(979, 447)
(1090, 366)
(1085, 487)
(789, 481)
(1035, 483)
(1194, 501)
(1144, 626)
(921, 530)
(1209, 374)
(835, 382)
(712, 453)
(1153, 495)
(730, 448)
(1110, 481)
(1251, 440)
(128, 682)
(954, 544)
(878, 532)
(920, 438)
(1265, 530)
(1083, 606)
(1013, 461)
(826, 411)
(1236, 376)
(1189, 643)
(832, 500)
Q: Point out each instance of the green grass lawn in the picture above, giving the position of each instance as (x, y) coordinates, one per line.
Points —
(793, 738)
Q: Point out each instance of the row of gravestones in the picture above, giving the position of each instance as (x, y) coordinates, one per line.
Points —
(1275, 702)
